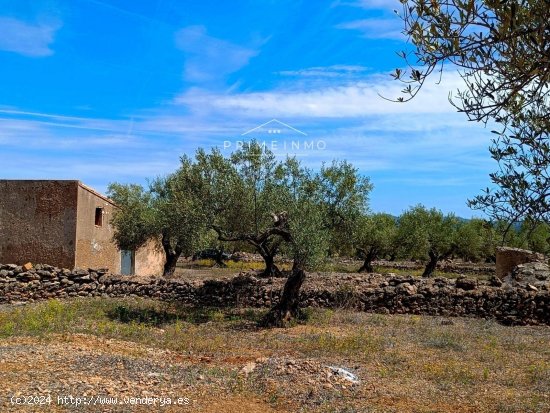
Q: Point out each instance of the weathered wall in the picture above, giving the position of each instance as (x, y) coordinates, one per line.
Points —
(150, 258)
(509, 258)
(395, 295)
(38, 221)
(94, 245)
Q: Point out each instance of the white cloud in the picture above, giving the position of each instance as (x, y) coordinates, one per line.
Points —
(376, 28)
(354, 100)
(335, 71)
(33, 40)
(442, 149)
(425, 135)
(96, 171)
(209, 58)
(424, 138)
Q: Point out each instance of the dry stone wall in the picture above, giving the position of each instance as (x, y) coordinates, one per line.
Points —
(517, 305)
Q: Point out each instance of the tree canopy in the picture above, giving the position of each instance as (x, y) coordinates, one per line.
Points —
(162, 211)
(374, 236)
(250, 196)
(502, 51)
(427, 233)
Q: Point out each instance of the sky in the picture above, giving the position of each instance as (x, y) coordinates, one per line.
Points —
(117, 90)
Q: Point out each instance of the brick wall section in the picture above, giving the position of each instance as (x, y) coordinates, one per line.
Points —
(38, 221)
(391, 295)
(509, 258)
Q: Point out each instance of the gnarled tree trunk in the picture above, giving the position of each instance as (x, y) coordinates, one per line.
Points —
(432, 264)
(368, 257)
(271, 269)
(219, 259)
(289, 305)
(172, 255)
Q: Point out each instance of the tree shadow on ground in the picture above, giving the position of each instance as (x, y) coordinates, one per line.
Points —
(231, 318)
(147, 316)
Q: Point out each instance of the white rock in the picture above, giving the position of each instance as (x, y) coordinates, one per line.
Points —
(345, 374)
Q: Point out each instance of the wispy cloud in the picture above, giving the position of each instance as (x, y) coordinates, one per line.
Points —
(383, 24)
(375, 28)
(416, 151)
(95, 170)
(424, 136)
(335, 71)
(209, 58)
(358, 99)
(27, 39)
(388, 5)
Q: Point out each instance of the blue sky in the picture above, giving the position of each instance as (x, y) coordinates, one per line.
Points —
(118, 90)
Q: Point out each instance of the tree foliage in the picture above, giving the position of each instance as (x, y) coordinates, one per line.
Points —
(428, 234)
(162, 211)
(374, 237)
(134, 221)
(535, 236)
(476, 240)
(344, 200)
(317, 206)
(246, 197)
(501, 49)
(255, 200)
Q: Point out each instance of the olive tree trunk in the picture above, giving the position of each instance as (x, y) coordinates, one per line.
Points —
(289, 304)
(219, 259)
(367, 264)
(432, 264)
(271, 269)
(172, 255)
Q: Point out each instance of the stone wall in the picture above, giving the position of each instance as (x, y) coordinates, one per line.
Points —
(517, 305)
(509, 258)
(38, 221)
(456, 267)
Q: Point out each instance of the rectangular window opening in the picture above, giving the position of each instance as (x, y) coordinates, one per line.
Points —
(99, 217)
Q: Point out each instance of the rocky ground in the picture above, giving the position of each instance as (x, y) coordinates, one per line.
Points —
(85, 373)
(128, 350)
(93, 351)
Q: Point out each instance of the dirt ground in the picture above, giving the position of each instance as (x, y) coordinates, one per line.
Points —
(110, 354)
(109, 375)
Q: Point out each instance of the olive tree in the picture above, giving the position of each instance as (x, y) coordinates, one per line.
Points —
(241, 198)
(134, 219)
(344, 197)
(374, 237)
(303, 228)
(536, 236)
(316, 204)
(162, 211)
(259, 200)
(250, 197)
(427, 233)
(500, 48)
(471, 239)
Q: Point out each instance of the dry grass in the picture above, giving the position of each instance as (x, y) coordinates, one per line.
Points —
(206, 269)
(406, 363)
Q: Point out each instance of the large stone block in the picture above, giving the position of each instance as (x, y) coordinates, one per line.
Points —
(509, 258)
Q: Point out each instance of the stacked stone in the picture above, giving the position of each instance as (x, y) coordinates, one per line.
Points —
(467, 297)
